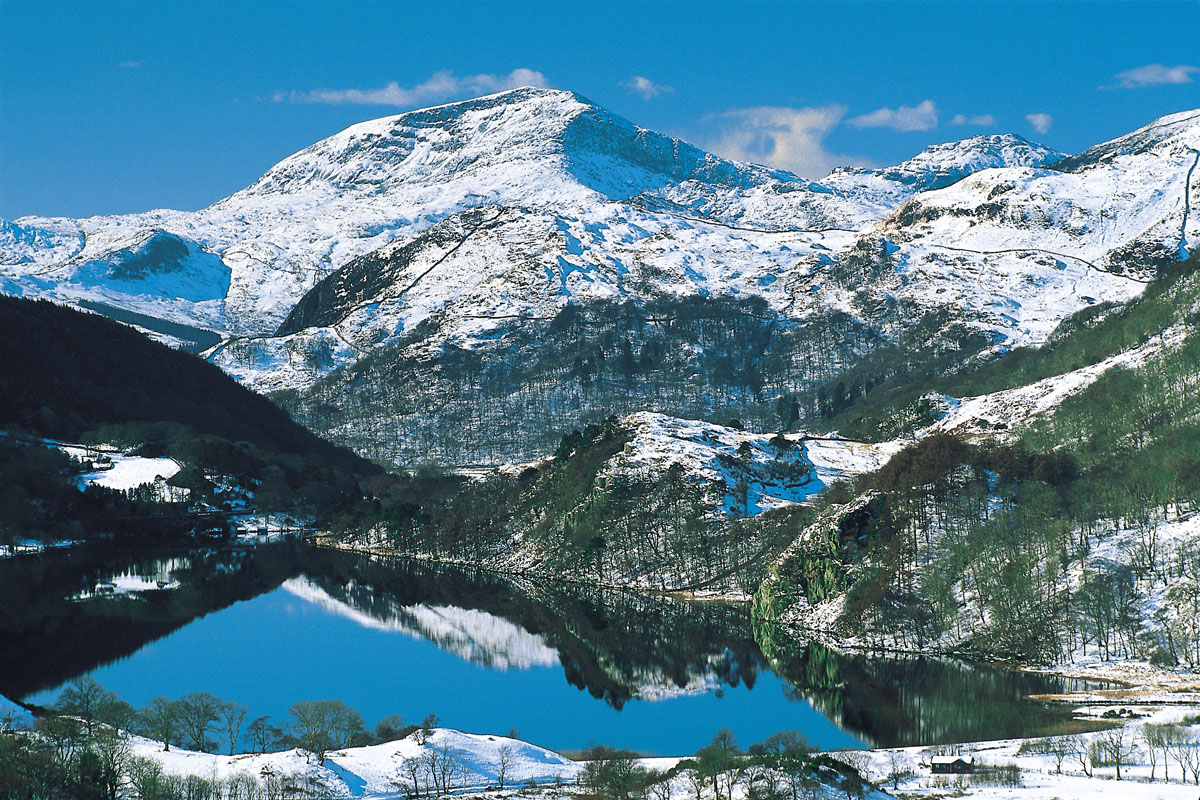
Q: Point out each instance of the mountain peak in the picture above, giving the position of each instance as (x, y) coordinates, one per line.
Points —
(940, 165)
(519, 147)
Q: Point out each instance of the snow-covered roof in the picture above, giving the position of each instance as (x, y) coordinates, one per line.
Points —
(952, 760)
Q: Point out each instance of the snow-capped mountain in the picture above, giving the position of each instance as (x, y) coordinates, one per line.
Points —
(852, 198)
(374, 182)
(1123, 207)
(446, 227)
(394, 177)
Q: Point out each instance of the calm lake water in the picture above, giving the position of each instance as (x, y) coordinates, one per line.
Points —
(563, 666)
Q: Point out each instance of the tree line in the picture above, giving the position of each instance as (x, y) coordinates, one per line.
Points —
(510, 398)
(80, 749)
(782, 767)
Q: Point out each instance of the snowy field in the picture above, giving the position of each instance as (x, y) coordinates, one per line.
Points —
(130, 471)
(127, 471)
(372, 771)
(375, 771)
(1040, 778)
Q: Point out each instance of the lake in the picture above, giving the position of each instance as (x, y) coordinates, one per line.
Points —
(564, 666)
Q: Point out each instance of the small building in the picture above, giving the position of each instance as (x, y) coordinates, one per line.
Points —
(952, 765)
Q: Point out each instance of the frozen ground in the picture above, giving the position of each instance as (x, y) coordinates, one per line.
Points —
(374, 771)
(1040, 778)
(773, 472)
(128, 471)
(370, 771)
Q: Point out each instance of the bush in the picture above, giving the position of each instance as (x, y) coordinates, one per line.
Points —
(997, 775)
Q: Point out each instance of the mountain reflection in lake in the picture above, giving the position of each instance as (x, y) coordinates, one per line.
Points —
(271, 626)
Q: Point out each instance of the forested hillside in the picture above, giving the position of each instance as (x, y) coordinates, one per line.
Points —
(697, 357)
(1063, 530)
(79, 372)
(1062, 534)
(571, 517)
(80, 377)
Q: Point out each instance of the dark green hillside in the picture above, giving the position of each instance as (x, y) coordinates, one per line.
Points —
(84, 378)
(1088, 337)
(69, 373)
(566, 517)
(701, 358)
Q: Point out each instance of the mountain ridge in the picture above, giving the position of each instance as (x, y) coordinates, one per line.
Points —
(374, 239)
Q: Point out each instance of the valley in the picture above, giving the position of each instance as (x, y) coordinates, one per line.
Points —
(619, 435)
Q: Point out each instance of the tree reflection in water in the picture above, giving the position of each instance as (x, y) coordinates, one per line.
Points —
(618, 646)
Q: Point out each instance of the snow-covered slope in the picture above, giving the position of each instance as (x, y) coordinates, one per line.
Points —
(850, 198)
(752, 472)
(359, 189)
(1092, 227)
(1000, 414)
(376, 771)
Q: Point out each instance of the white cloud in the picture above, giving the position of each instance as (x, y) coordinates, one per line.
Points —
(787, 138)
(1040, 122)
(921, 117)
(441, 85)
(979, 120)
(645, 87)
(130, 64)
(1154, 75)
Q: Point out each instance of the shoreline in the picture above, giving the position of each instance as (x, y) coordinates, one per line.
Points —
(1134, 682)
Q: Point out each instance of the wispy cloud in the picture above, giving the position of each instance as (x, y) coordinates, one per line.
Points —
(921, 117)
(645, 87)
(130, 64)
(1040, 122)
(442, 85)
(1154, 75)
(787, 138)
(978, 120)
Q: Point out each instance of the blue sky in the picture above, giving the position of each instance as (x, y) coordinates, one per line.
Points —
(113, 107)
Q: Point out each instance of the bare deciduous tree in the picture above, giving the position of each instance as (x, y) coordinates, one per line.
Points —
(232, 715)
(86, 699)
(160, 720)
(504, 762)
(263, 735)
(1118, 747)
(197, 712)
(323, 725)
(899, 767)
